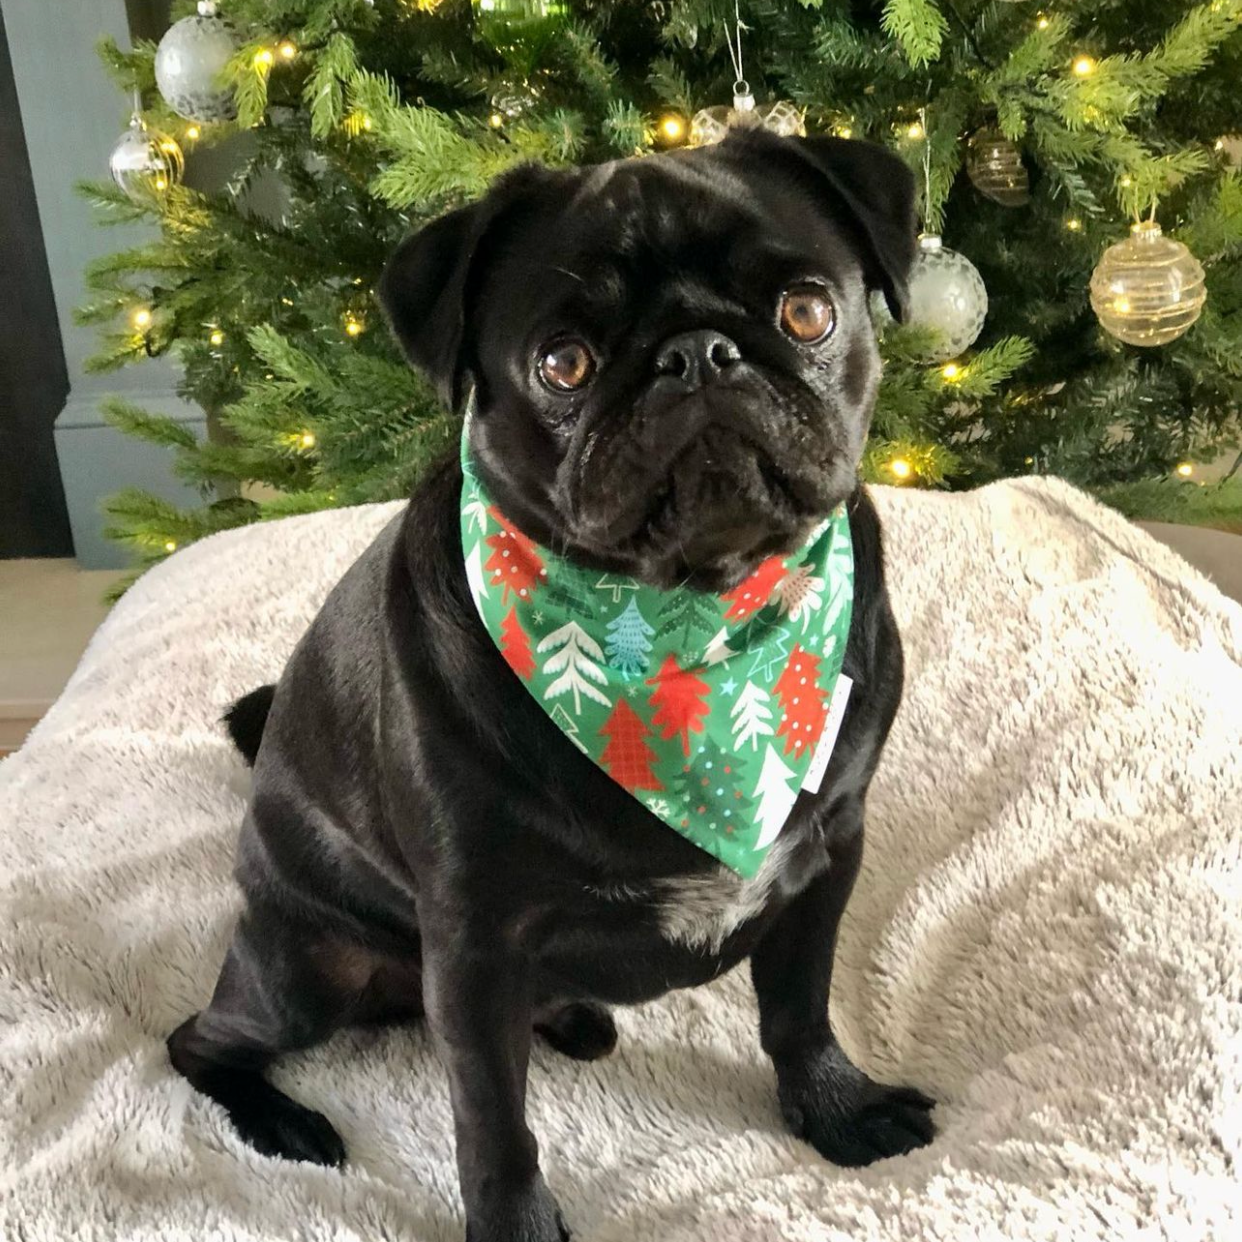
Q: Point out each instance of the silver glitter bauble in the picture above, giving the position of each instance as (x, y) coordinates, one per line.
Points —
(145, 163)
(946, 294)
(189, 62)
(1148, 289)
(710, 125)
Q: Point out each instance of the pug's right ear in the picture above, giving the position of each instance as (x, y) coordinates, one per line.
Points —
(429, 282)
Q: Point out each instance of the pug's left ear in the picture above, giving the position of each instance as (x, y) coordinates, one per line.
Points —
(428, 283)
(876, 189)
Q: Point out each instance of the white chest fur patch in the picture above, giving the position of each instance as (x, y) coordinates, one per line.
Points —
(702, 911)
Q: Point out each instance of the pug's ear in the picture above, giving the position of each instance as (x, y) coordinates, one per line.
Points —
(428, 283)
(876, 191)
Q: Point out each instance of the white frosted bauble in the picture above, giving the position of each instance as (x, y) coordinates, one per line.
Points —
(946, 294)
(188, 64)
(1148, 289)
(710, 125)
(145, 163)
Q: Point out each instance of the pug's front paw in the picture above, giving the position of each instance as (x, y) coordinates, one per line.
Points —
(846, 1116)
(526, 1216)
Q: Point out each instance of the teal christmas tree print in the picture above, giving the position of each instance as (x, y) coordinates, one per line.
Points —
(629, 641)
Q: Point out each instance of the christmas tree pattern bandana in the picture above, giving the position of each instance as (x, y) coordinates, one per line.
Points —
(707, 708)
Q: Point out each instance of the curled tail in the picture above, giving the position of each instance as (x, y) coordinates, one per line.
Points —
(246, 718)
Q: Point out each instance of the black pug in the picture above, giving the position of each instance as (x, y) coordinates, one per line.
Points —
(674, 368)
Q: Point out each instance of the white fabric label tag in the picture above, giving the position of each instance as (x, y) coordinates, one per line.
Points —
(828, 739)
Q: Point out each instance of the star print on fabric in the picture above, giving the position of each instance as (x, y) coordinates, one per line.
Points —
(728, 688)
(537, 617)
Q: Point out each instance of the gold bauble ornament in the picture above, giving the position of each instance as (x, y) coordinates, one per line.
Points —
(995, 168)
(710, 125)
(1148, 289)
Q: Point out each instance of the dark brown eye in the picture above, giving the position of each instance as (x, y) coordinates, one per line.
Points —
(566, 365)
(807, 314)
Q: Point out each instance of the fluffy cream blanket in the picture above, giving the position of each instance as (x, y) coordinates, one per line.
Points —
(1047, 936)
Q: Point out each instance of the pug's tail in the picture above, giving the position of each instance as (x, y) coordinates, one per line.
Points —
(246, 718)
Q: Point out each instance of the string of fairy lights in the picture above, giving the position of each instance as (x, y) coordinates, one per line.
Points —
(1147, 289)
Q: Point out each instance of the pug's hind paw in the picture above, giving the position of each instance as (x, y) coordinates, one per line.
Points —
(582, 1030)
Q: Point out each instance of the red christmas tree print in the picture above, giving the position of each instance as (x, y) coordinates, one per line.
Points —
(681, 700)
(752, 593)
(515, 646)
(802, 702)
(514, 563)
(627, 756)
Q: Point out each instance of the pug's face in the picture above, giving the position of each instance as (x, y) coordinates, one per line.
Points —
(673, 359)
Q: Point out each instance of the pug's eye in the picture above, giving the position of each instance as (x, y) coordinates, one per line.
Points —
(807, 314)
(566, 365)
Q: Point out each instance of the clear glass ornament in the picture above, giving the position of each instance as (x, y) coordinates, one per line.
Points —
(497, 20)
(710, 125)
(946, 294)
(995, 168)
(189, 62)
(146, 163)
(1148, 289)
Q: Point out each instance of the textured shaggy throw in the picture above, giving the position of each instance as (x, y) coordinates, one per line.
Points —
(1047, 934)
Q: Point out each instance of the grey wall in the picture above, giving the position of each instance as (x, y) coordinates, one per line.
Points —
(72, 115)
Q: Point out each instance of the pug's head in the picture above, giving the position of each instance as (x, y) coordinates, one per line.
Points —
(673, 357)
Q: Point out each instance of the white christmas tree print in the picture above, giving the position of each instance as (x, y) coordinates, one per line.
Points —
(576, 653)
(799, 593)
(835, 604)
(718, 650)
(616, 585)
(474, 576)
(629, 641)
(776, 799)
(752, 716)
(475, 512)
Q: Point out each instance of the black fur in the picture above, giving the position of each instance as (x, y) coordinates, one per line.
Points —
(421, 837)
(246, 719)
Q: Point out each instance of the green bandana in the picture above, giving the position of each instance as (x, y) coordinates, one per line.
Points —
(709, 709)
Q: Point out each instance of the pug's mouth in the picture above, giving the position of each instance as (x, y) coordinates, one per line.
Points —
(723, 504)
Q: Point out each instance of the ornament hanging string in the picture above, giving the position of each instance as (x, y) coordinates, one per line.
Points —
(741, 88)
(926, 166)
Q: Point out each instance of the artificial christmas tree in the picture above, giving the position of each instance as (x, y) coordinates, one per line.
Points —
(372, 118)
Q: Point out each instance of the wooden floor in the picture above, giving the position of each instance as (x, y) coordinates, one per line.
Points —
(49, 610)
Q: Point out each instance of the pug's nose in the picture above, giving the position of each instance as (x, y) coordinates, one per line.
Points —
(696, 358)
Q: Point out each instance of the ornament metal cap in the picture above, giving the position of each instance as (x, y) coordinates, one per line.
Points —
(743, 100)
(207, 8)
(930, 242)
